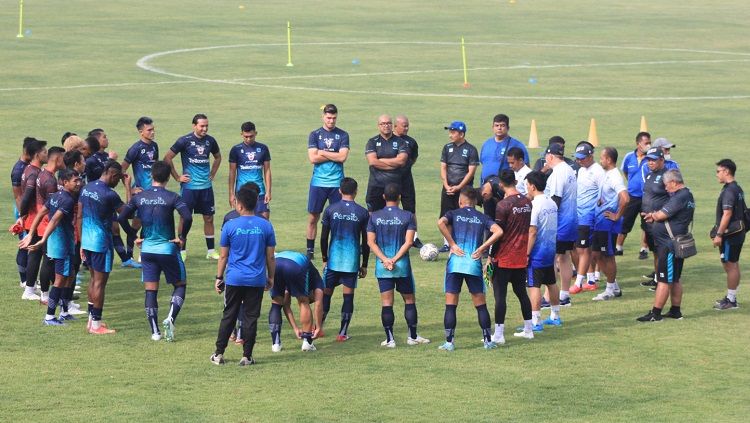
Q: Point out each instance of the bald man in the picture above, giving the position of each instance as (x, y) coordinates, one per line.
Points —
(387, 155)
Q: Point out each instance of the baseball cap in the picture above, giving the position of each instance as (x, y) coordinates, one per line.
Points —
(583, 150)
(654, 153)
(663, 143)
(456, 125)
(555, 149)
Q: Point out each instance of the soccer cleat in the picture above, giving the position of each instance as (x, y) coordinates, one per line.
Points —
(673, 314)
(53, 322)
(649, 283)
(619, 252)
(131, 263)
(444, 249)
(44, 298)
(524, 334)
(545, 304)
(342, 338)
(388, 344)
(565, 303)
(606, 296)
(417, 243)
(276, 348)
(246, 362)
(308, 347)
(416, 341)
(103, 330)
(183, 255)
(590, 286)
(168, 327)
(75, 311)
(650, 276)
(499, 340)
(214, 255)
(217, 359)
(575, 289)
(650, 317)
(643, 255)
(67, 317)
(29, 296)
(489, 345)
(155, 336)
(552, 322)
(448, 346)
(535, 328)
(725, 304)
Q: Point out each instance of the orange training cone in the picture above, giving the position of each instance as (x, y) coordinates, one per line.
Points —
(644, 125)
(593, 138)
(533, 137)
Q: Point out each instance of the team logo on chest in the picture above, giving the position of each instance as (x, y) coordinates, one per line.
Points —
(150, 155)
(328, 142)
(250, 155)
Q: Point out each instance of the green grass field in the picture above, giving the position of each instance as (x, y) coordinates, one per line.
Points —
(684, 65)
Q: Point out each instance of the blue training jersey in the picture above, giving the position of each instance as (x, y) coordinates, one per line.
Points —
(155, 207)
(633, 170)
(467, 228)
(194, 153)
(494, 155)
(347, 221)
(589, 182)
(562, 183)
(328, 174)
(61, 242)
(99, 203)
(544, 218)
(609, 200)
(247, 238)
(142, 156)
(249, 159)
(390, 225)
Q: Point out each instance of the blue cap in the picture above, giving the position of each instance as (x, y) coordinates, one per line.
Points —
(583, 150)
(457, 125)
(654, 153)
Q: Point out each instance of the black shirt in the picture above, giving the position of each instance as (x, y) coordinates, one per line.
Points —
(385, 149)
(655, 195)
(680, 209)
(458, 158)
(572, 163)
(731, 198)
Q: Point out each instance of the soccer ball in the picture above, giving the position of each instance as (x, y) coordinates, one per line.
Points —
(429, 252)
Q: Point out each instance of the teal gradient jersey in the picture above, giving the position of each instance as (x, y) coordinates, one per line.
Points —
(141, 156)
(467, 229)
(61, 242)
(347, 221)
(156, 207)
(390, 225)
(194, 153)
(544, 218)
(98, 205)
(328, 174)
(250, 159)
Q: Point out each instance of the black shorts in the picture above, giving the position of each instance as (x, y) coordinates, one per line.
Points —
(650, 240)
(731, 247)
(374, 198)
(504, 275)
(408, 195)
(447, 202)
(562, 247)
(632, 211)
(536, 277)
(669, 268)
(604, 243)
(584, 236)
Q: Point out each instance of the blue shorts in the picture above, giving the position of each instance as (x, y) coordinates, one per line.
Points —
(261, 206)
(63, 267)
(403, 285)
(317, 196)
(171, 264)
(292, 278)
(539, 276)
(453, 282)
(333, 278)
(99, 262)
(199, 201)
(604, 242)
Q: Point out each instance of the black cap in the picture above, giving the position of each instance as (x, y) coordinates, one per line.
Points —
(556, 149)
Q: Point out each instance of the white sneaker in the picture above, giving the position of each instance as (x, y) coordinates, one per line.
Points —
(72, 304)
(524, 334)
(30, 296)
(416, 341)
(604, 296)
(387, 344)
(75, 311)
(499, 340)
(276, 348)
(308, 347)
(44, 298)
(155, 336)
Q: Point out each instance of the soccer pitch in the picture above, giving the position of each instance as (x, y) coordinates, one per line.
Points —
(84, 64)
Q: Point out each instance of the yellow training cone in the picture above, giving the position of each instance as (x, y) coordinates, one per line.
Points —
(533, 137)
(593, 138)
(644, 125)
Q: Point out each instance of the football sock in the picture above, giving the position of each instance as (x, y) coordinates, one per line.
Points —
(274, 323)
(484, 321)
(130, 240)
(387, 318)
(643, 250)
(579, 280)
(527, 326)
(618, 247)
(326, 305)
(54, 297)
(347, 308)
(732, 295)
(96, 317)
(449, 320)
(674, 309)
(307, 336)
(178, 298)
(410, 313)
(21, 257)
(611, 287)
(152, 310)
(597, 275)
(310, 245)
(210, 243)
(564, 295)
(120, 248)
(535, 317)
(239, 321)
(590, 277)
(554, 312)
(66, 296)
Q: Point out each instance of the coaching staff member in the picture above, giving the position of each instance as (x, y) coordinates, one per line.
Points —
(458, 163)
